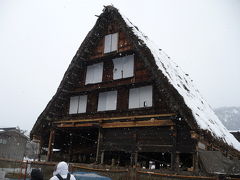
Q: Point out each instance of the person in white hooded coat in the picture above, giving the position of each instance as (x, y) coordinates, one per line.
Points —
(62, 173)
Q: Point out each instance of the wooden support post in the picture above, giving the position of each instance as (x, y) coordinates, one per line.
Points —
(135, 154)
(177, 161)
(173, 153)
(131, 159)
(195, 161)
(40, 149)
(100, 136)
(50, 145)
(102, 157)
(70, 148)
(136, 159)
(173, 160)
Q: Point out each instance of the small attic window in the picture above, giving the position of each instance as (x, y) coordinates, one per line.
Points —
(94, 73)
(140, 97)
(111, 43)
(107, 101)
(123, 67)
(78, 104)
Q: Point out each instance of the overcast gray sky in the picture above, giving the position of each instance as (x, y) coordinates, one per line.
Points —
(38, 39)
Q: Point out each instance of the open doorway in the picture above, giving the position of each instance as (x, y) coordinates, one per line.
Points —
(154, 160)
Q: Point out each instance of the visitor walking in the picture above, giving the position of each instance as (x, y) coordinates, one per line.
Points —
(62, 173)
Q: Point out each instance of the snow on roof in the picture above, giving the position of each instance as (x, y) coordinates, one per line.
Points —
(234, 131)
(202, 112)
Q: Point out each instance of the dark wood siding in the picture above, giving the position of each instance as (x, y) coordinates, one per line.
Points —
(184, 141)
(145, 139)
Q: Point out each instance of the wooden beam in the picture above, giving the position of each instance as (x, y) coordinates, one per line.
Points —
(114, 118)
(102, 157)
(109, 84)
(138, 124)
(101, 170)
(36, 139)
(176, 176)
(40, 145)
(100, 137)
(50, 145)
(196, 160)
(76, 125)
(122, 124)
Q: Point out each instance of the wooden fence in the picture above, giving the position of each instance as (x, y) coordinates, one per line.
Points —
(14, 169)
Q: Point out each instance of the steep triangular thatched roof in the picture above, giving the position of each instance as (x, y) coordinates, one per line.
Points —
(170, 80)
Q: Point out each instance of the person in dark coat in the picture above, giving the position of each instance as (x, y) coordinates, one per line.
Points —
(36, 174)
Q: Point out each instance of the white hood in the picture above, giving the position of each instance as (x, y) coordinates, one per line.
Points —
(62, 169)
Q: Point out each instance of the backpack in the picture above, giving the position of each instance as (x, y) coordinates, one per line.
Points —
(60, 177)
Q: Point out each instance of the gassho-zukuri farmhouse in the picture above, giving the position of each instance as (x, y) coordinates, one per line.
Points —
(124, 102)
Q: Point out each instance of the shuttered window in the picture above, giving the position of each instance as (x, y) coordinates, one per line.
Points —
(94, 73)
(140, 97)
(111, 43)
(107, 101)
(78, 104)
(123, 67)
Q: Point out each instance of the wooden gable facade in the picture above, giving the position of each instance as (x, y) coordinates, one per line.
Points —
(113, 108)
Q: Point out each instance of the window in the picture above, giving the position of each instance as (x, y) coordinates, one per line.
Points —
(123, 67)
(3, 141)
(107, 101)
(78, 104)
(94, 73)
(111, 43)
(140, 97)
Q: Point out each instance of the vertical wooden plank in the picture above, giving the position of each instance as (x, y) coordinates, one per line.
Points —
(173, 153)
(177, 161)
(50, 144)
(173, 160)
(102, 157)
(70, 148)
(40, 148)
(195, 160)
(136, 159)
(98, 157)
(135, 135)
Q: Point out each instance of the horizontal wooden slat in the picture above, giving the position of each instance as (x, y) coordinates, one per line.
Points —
(176, 176)
(76, 125)
(138, 124)
(155, 145)
(103, 170)
(111, 84)
(114, 118)
(122, 124)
